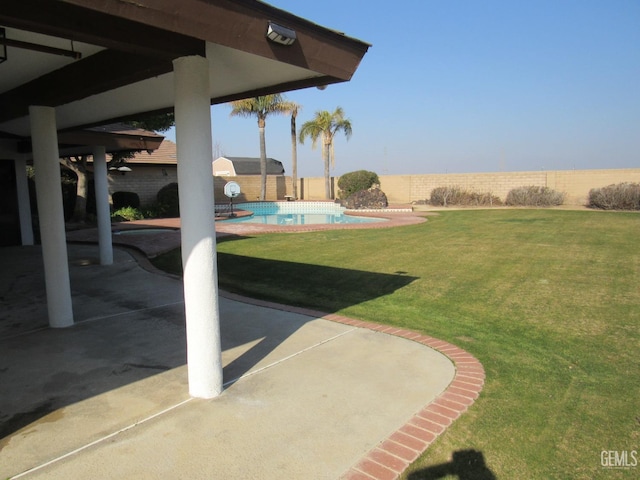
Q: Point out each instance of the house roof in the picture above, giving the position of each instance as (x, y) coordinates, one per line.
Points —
(164, 155)
(99, 61)
(251, 165)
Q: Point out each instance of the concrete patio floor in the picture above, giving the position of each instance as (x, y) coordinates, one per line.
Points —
(306, 395)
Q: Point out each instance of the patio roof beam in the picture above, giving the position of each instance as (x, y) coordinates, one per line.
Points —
(60, 19)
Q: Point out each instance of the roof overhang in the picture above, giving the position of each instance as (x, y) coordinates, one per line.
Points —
(127, 49)
(114, 138)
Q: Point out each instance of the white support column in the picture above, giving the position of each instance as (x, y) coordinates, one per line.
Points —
(24, 205)
(46, 163)
(194, 150)
(102, 205)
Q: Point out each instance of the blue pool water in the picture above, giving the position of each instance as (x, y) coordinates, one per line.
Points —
(298, 213)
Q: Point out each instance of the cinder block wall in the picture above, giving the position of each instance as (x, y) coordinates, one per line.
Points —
(277, 188)
(147, 180)
(413, 188)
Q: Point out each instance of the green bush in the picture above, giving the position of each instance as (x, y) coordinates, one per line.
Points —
(353, 182)
(454, 195)
(623, 196)
(128, 214)
(125, 199)
(151, 211)
(534, 196)
(168, 203)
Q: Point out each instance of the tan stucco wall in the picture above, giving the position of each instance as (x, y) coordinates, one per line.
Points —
(413, 188)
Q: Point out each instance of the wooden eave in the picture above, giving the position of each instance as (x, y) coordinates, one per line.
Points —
(141, 39)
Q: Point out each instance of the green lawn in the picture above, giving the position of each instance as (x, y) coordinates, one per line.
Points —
(547, 300)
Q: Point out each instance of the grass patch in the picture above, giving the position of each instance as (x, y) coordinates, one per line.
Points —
(548, 301)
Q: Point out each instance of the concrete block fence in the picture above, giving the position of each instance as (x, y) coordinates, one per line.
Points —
(414, 188)
(400, 189)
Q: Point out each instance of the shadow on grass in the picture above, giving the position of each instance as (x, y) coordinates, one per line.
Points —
(465, 465)
(327, 289)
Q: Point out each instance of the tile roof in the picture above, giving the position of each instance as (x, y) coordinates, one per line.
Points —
(164, 155)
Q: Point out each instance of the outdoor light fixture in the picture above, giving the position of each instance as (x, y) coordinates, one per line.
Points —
(122, 169)
(279, 34)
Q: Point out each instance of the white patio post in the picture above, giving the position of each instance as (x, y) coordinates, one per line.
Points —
(24, 205)
(51, 215)
(105, 244)
(194, 151)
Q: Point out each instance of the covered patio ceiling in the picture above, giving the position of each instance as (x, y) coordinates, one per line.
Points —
(100, 61)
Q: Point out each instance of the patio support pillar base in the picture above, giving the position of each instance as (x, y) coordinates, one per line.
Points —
(195, 180)
(102, 205)
(51, 215)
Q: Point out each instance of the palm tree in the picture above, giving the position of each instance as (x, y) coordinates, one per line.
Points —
(261, 107)
(325, 125)
(294, 151)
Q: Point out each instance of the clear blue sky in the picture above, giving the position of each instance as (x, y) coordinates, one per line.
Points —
(470, 86)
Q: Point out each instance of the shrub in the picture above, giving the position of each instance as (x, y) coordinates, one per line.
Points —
(370, 198)
(125, 199)
(151, 211)
(623, 196)
(128, 214)
(534, 196)
(454, 195)
(353, 182)
(168, 203)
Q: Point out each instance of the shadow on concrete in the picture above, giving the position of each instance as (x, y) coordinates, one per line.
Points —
(465, 465)
(130, 325)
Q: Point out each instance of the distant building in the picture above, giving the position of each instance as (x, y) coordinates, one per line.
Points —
(237, 166)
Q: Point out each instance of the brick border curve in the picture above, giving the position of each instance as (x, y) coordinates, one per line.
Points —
(389, 459)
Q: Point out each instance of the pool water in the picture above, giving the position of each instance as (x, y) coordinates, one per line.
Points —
(298, 213)
(302, 219)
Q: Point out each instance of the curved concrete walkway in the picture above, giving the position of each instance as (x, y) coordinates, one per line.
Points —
(308, 395)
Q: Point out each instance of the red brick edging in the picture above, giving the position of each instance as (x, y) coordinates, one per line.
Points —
(393, 455)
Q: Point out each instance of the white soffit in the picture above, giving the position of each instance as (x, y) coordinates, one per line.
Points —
(24, 65)
(231, 71)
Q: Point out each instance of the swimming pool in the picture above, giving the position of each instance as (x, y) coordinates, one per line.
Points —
(298, 213)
